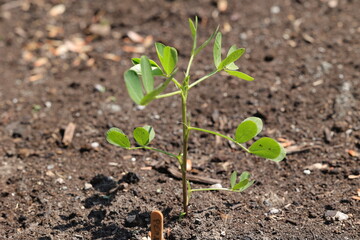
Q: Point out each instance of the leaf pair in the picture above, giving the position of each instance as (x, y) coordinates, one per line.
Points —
(142, 135)
(147, 69)
(264, 147)
(243, 183)
(168, 57)
(193, 28)
(228, 64)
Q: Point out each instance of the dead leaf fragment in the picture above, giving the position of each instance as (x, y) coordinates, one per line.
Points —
(135, 37)
(41, 62)
(69, 134)
(35, 77)
(356, 198)
(132, 49)
(57, 10)
(352, 153)
(319, 166)
(112, 57)
(100, 29)
(308, 38)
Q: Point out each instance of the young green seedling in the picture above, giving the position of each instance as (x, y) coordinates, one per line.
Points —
(140, 81)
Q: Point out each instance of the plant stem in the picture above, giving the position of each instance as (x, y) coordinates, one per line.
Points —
(185, 149)
(155, 149)
(220, 135)
(203, 78)
(168, 94)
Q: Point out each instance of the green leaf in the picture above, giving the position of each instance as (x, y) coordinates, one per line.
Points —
(217, 50)
(244, 175)
(141, 136)
(268, 148)
(155, 70)
(193, 28)
(240, 75)
(146, 72)
(231, 66)
(160, 51)
(170, 59)
(207, 42)
(152, 62)
(231, 58)
(248, 129)
(117, 137)
(151, 132)
(233, 179)
(134, 86)
(152, 95)
(247, 185)
(240, 184)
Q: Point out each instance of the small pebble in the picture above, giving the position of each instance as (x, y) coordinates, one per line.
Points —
(48, 104)
(307, 172)
(217, 185)
(60, 181)
(95, 145)
(140, 107)
(275, 9)
(274, 211)
(87, 186)
(336, 215)
(100, 88)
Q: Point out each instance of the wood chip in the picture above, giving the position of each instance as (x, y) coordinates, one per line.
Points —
(353, 176)
(57, 10)
(308, 38)
(298, 149)
(134, 49)
(135, 37)
(194, 178)
(35, 77)
(41, 62)
(112, 57)
(352, 153)
(356, 198)
(188, 165)
(285, 142)
(157, 225)
(145, 168)
(69, 134)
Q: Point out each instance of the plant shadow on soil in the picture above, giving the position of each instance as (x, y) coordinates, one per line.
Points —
(107, 189)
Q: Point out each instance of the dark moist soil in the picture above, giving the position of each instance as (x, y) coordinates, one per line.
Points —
(304, 56)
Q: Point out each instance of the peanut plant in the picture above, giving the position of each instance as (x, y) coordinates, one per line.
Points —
(139, 81)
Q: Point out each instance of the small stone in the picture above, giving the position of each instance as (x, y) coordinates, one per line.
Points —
(100, 88)
(140, 107)
(95, 145)
(336, 215)
(197, 221)
(51, 166)
(48, 104)
(333, 3)
(275, 9)
(307, 172)
(50, 174)
(60, 181)
(274, 211)
(217, 185)
(87, 186)
(114, 108)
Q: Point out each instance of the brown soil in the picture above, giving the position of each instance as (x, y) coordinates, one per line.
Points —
(304, 56)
